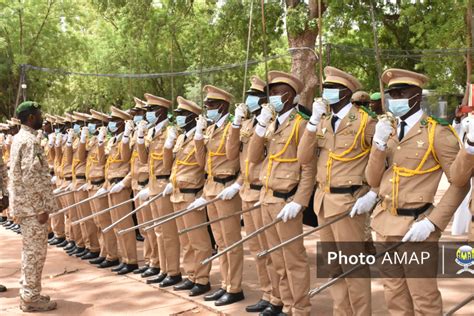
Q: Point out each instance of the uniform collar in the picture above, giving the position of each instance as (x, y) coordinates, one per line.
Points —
(190, 132)
(160, 125)
(222, 120)
(282, 117)
(412, 119)
(28, 129)
(343, 112)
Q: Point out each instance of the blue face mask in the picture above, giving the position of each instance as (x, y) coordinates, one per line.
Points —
(252, 103)
(213, 115)
(181, 121)
(91, 127)
(112, 126)
(151, 117)
(77, 128)
(137, 119)
(399, 107)
(331, 95)
(57, 130)
(277, 102)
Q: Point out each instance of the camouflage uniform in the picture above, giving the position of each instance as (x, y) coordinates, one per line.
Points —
(30, 195)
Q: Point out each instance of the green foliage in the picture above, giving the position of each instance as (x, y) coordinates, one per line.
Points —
(297, 19)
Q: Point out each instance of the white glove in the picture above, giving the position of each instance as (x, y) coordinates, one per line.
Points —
(383, 130)
(70, 137)
(319, 108)
(69, 187)
(141, 129)
(51, 138)
(102, 134)
(197, 203)
(83, 187)
(128, 128)
(101, 191)
(470, 130)
(59, 137)
(144, 194)
(364, 204)
(57, 191)
(172, 134)
(419, 231)
(265, 116)
(229, 192)
(240, 113)
(53, 179)
(84, 132)
(168, 189)
(116, 188)
(201, 126)
(289, 211)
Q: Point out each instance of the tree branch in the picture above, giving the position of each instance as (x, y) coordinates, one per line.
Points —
(33, 44)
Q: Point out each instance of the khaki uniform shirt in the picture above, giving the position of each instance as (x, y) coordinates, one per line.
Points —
(416, 190)
(211, 154)
(238, 146)
(186, 172)
(341, 159)
(96, 158)
(281, 171)
(118, 159)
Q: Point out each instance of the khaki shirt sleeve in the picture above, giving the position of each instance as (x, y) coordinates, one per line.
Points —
(142, 153)
(232, 145)
(375, 167)
(370, 131)
(200, 153)
(69, 154)
(256, 149)
(51, 153)
(102, 157)
(82, 152)
(127, 181)
(462, 169)
(126, 152)
(307, 147)
(307, 178)
(447, 147)
(168, 158)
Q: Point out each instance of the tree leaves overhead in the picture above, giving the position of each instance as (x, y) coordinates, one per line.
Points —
(163, 36)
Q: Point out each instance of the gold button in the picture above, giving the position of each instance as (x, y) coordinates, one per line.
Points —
(421, 198)
(398, 147)
(394, 164)
(350, 181)
(273, 139)
(287, 175)
(419, 131)
(345, 145)
(387, 196)
(416, 154)
(390, 180)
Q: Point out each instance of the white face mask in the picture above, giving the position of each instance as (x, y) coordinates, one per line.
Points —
(400, 107)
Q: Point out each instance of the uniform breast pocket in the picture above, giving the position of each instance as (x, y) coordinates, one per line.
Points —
(286, 179)
(345, 142)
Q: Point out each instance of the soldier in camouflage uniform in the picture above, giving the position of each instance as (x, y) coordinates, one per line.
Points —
(4, 194)
(32, 201)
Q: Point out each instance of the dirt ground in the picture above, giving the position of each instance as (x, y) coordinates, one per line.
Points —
(81, 289)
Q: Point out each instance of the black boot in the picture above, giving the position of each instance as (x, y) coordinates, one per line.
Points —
(97, 260)
(69, 246)
(127, 269)
(230, 298)
(90, 255)
(258, 307)
(150, 272)
(199, 289)
(57, 241)
(108, 264)
(63, 244)
(120, 266)
(158, 279)
(171, 280)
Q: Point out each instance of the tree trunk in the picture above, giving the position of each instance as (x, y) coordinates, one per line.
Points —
(303, 53)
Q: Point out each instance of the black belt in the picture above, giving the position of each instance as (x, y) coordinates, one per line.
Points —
(143, 183)
(193, 191)
(472, 218)
(162, 176)
(257, 187)
(115, 180)
(415, 212)
(224, 180)
(68, 178)
(98, 182)
(350, 190)
(285, 195)
(81, 177)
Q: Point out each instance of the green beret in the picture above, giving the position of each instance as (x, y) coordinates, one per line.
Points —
(27, 105)
(375, 96)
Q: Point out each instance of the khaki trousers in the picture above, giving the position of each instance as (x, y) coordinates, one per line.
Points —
(127, 242)
(253, 220)
(108, 241)
(150, 247)
(290, 262)
(72, 216)
(88, 228)
(166, 236)
(227, 232)
(57, 222)
(198, 244)
(410, 296)
(351, 296)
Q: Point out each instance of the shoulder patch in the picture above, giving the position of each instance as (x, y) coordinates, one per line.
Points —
(440, 121)
(371, 113)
